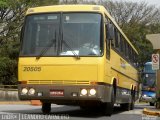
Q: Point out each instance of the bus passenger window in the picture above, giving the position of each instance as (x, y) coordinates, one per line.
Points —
(121, 44)
(126, 48)
(113, 42)
(116, 38)
(107, 44)
(130, 53)
(107, 40)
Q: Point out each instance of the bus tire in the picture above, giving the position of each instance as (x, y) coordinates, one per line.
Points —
(132, 106)
(109, 106)
(128, 106)
(125, 106)
(132, 102)
(46, 108)
(151, 103)
(84, 107)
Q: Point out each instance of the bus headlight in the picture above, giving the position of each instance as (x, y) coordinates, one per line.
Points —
(144, 95)
(24, 91)
(31, 91)
(92, 92)
(83, 92)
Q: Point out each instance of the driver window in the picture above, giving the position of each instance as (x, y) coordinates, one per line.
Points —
(107, 40)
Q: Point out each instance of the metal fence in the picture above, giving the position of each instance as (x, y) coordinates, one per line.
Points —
(8, 93)
(14, 87)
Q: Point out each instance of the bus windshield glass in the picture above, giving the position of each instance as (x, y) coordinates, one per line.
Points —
(149, 80)
(149, 76)
(62, 34)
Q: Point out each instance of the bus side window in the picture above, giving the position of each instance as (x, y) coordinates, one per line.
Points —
(130, 53)
(107, 46)
(116, 38)
(113, 42)
(136, 59)
(121, 44)
(127, 50)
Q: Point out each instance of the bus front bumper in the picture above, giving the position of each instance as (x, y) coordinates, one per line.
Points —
(147, 99)
(64, 92)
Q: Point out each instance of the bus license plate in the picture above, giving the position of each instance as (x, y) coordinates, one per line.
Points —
(56, 93)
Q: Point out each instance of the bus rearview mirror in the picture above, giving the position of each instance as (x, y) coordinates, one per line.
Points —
(22, 30)
(109, 31)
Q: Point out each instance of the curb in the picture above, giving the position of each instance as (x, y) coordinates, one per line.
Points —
(15, 102)
(151, 112)
(32, 102)
(36, 102)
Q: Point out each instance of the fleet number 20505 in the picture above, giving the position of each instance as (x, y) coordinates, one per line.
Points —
(31, 69)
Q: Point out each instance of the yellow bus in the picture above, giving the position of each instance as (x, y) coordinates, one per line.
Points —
(76, 55)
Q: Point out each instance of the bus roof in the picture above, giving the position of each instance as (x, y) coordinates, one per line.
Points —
(66, 8)
(148, 68)
(148, 63)
(77, 8)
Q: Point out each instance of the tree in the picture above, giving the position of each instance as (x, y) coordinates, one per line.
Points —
(77, 2)
(69, 1)
(12, 14)
(136, 20)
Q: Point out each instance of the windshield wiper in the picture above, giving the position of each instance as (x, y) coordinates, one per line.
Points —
(68, 46)
(49, 45)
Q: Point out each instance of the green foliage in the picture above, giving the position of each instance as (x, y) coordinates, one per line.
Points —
(3, 3)
(136, 20)
(8, 73)
(34, 3)
(137, 35)
(11, 20)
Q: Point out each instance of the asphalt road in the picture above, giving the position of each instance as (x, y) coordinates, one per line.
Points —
(28, 112)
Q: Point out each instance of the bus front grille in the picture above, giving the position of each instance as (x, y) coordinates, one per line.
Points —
(59, 82)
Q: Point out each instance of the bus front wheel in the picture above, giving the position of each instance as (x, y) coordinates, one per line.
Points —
(46, 108)
(109, 106)
(132, 102)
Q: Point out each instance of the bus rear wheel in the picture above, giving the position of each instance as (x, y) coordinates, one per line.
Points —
(126, 106)
(46, 108)
(151, 103)
(130, 105)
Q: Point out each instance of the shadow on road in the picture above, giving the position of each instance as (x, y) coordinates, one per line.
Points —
(68, 110)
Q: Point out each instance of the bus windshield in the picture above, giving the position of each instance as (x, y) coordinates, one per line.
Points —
(149, 80)
(149, 76)
(62, 34)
